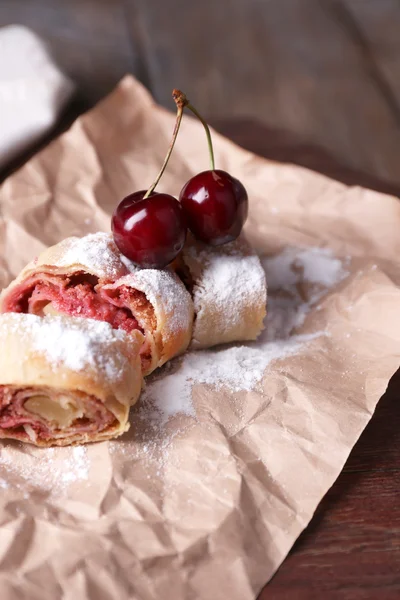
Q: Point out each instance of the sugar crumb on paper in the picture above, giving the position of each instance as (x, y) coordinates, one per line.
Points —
(52, 470)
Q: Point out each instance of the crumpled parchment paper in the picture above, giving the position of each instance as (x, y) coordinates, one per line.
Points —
(204, 506)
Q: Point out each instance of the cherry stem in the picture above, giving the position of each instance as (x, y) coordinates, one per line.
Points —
(178, 121)
(208, 134)
(181, 100)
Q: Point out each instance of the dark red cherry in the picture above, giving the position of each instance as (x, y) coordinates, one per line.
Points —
(150, 232)
(215, 206)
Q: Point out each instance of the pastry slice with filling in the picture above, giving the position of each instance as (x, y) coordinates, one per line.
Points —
(88, 277)
(229, 291)
(66, 380)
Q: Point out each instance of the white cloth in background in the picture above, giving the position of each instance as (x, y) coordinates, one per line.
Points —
(32, 90)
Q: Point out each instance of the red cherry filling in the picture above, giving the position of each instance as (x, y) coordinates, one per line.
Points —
(215, 206)
(149, 231)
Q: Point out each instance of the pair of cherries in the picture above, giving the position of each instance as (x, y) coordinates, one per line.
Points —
(150, 228)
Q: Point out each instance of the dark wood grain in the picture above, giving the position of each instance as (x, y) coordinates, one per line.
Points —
(296, 65)
(284, 146)
(327, 71)
(314, 82)
(378, 27)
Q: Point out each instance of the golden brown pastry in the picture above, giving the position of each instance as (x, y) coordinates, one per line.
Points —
(88, 277)
(66, 380)
(229, 291)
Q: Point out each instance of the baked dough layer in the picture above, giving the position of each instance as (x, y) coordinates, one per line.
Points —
(156, 299)
(229, 291)
(66, 380)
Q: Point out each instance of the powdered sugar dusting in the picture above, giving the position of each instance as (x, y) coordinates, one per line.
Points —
(79, 463)
(320, 266)
(297, 280)
(165, 289)
(238, 368)
(73, 342)
(52, 470)
(231, 281)
(132, 268)
(96, 252)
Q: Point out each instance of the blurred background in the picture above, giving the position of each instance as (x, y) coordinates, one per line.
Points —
(315, 82)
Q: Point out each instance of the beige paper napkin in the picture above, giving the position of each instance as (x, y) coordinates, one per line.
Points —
(217, 477)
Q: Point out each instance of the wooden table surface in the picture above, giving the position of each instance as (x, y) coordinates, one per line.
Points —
(315, 82)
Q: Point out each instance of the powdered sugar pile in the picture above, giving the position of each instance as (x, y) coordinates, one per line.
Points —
(52, 470)
(75, 343)
(297, 280)
(96, 252)
(242, 367)
(238, 368)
